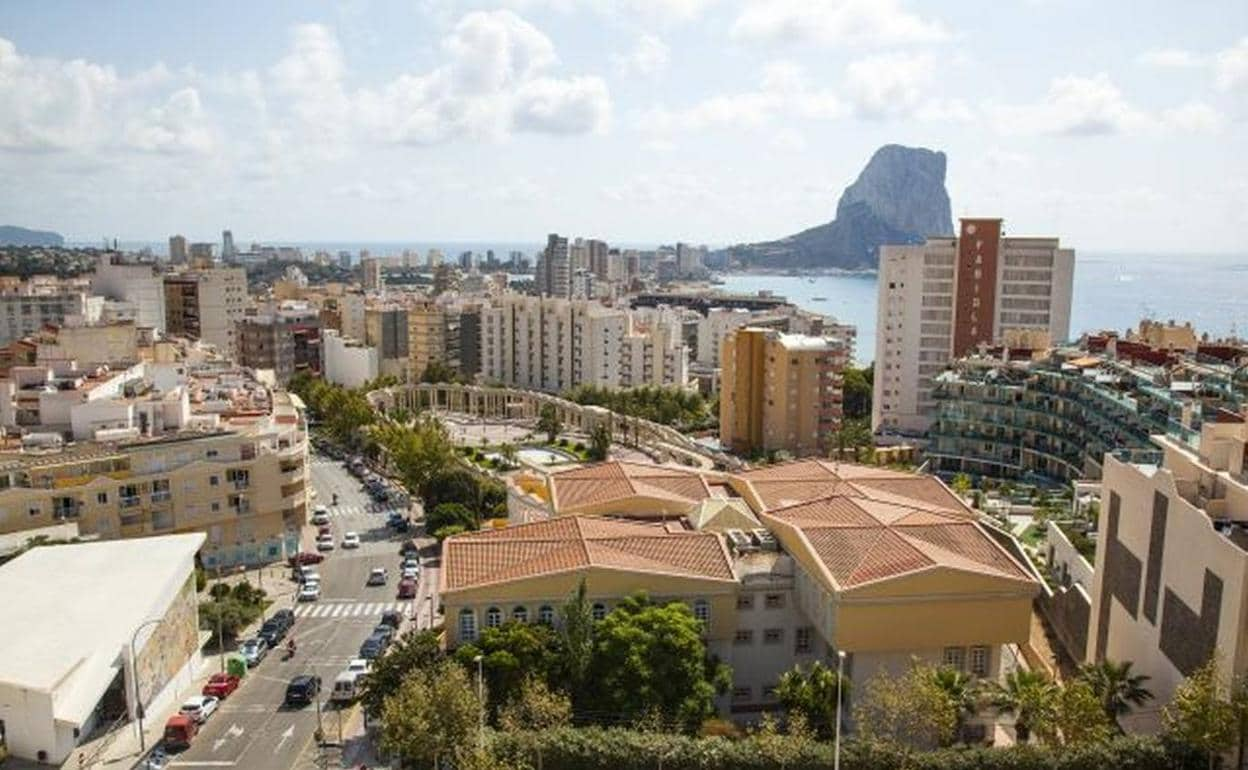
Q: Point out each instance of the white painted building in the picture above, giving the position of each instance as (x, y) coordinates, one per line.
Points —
(135, 283)
(940, 300)
(347, 362)
(719, 323)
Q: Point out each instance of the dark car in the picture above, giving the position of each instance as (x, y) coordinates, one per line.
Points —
(384, 632)
(407, 589)
(372, 648)
(286, 617)
(392, 619)
(409, 548)
(302, 689)
(272, 632)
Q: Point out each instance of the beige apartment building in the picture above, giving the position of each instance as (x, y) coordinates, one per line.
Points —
(206, 304)
(157, 449)
(780, 392)
(1171, 581)
(432, 335)
(940, 300)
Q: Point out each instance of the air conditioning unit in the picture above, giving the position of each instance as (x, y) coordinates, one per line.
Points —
(740, 542)
(765, 540)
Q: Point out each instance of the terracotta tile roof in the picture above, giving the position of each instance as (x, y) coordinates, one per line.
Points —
(870, 524)
(577, 488)
(579, 542)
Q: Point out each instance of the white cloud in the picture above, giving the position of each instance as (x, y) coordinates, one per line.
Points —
(649, 57)
(1193, 117)
(1080, 106)
(1231, 67)
(178, 126)
(889, 84)
(51, 104)
(663, 189)
(576, 105)
(1172, 58)
(490, 51)
(834, 22)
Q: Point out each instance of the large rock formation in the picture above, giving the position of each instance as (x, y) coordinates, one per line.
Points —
(20, 236)
(899, 197)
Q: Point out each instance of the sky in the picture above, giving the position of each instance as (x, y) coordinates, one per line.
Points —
(1119, 126)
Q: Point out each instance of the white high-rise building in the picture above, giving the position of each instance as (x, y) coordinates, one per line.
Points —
(939, 301)
(137, 284)
(553, 344)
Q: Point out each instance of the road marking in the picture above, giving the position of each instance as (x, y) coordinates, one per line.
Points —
(287, 735)
(204, 763)
(347, 609)
(233, 732)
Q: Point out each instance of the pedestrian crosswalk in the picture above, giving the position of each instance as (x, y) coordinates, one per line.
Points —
(351, 609)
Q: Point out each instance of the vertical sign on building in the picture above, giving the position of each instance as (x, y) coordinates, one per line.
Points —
(975, 289)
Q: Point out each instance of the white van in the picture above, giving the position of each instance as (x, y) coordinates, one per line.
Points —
(346, 687)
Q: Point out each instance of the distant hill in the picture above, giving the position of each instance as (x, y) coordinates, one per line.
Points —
(20, 236)
(899, 197)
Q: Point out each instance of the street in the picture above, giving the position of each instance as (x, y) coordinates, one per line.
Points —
(252, 730)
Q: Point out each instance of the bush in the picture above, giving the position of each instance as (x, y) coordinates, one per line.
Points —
(580, 446)
(618, 749)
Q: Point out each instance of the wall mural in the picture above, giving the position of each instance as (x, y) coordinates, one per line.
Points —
(171, 643)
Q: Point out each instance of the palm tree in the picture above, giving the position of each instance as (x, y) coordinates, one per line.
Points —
(962, 691)
(1030, 696)
(1116, 687)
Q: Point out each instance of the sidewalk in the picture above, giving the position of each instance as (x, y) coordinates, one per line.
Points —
(355, 750)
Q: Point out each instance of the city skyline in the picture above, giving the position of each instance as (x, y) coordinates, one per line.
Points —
(639, 121)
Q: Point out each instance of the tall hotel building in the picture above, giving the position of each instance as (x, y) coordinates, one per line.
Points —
(940, 300)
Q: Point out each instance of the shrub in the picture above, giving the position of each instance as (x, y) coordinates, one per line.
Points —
(580, 446)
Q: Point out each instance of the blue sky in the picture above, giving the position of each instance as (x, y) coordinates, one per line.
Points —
(1116, 125)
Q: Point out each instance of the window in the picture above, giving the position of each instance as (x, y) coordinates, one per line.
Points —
(801, 639)
(955, 657)
(742, 694)
(493, 617)
(101, 497)
(743, 637)
(774, 601)
(467, 626)
(979, 660)
(520, 614)
(546, 614)
(212, 453)
(702, 611)
(773, 636)
(213, 481)
(599, 611)
(745, 602)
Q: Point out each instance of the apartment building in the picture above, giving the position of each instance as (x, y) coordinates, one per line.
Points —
(433, 335)
(1049, 417)
(177, 249)
(29, 308)
(348, 362)
(780, 392)
(784, 565)
(137, 286)
(554, 344)
(554, 271)
(940, 300)
(157, 449)
(386, 329)
(1169, 590)
(206, 304)
(286, 341)
(371, 276)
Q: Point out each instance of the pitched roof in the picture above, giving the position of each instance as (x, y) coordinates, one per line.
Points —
(577, 542)
(602, 483)
(870, 524)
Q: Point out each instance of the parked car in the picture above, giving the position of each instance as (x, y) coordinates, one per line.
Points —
(286, 616)
(346, 687)
(272, 632)
(351, 540)
(377, 577)
(385, 633)
(310, 591)
(302, 690)
(410, 573)
(372, 648)
(392, 619)
(359, 666)
(325, 543)
(180, 730)
(320, 515)
(199, 707)
(306, 557)
(157, 760)
(409, 548)
(254, 650)
(308, 574)
(221, 685)
(407, 589)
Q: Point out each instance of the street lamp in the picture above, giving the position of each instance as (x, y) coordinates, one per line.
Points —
(134, 674)
(840, 686)
(480, 702)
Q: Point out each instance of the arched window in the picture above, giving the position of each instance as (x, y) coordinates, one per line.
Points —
(520, 614)
(599, 610)
(546, 615)
(467, 626)
(702, 611)
(493, 617)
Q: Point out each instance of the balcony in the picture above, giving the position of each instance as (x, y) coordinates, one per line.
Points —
(129, 502)
(240, 484)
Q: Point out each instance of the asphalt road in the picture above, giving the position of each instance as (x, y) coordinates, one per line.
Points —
(252, 730)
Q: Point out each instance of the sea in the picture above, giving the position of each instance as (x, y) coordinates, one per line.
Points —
(1111, 291)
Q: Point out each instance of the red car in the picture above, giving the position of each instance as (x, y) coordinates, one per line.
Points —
(306, 557)
(221, 685)
(407, 589)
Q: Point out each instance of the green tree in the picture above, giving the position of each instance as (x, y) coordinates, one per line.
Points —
(961, 484)
(446, 515)
(599, 442)
(1030, 696)
(434, 714)
(909, 711)
(1080, 716)
(783, 749)
(962, 691)
(417, 651)
(508, 452)
(576, 636)
(1201, 715)
(854, 435)
(439, 371)
(453, 485)
(548, 422)
(510, 653)
(535, 708)
(812, 695)
(856, 387)
(1116, 687)
(651, 656)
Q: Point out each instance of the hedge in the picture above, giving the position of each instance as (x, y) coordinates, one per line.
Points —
(595, 748)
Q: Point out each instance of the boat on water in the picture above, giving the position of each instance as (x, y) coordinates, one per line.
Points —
(819, 299)
(810, 280)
